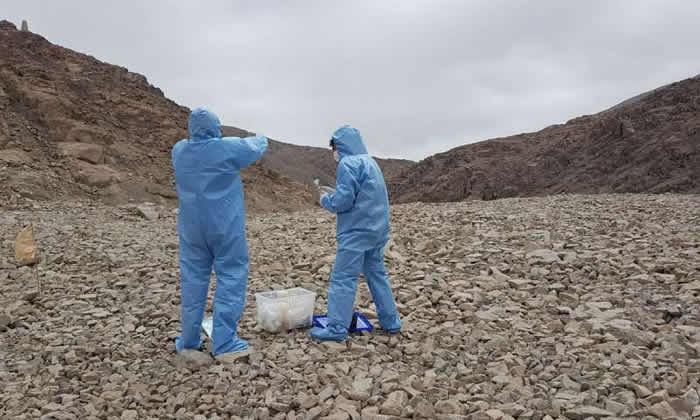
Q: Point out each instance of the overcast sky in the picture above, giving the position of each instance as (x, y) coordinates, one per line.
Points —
(415, 77)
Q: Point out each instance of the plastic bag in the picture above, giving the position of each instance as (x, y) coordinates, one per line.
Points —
(208, 326)
(322, 190)
(25, 246)
(270, 318)
(327, 190)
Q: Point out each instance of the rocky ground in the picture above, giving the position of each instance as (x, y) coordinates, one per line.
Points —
(574, 307)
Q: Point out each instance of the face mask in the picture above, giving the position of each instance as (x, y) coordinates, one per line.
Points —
(336, 156)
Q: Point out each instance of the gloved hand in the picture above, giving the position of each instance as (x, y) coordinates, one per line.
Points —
(322, 190)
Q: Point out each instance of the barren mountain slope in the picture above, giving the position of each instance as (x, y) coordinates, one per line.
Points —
(72, 126)
(305, 163)
(649, 144)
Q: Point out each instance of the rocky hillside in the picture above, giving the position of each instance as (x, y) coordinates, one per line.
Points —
(72, 126)
(306, 163)
(541, 308)
(648, 144)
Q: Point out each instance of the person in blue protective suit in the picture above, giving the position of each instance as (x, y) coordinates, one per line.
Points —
(361, 203)
(211, 230)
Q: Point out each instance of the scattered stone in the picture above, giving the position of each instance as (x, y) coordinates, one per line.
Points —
(5, 322)
(495, 414)
(91, 153)
(30, 296)
(309, 401)
(361, 389)
(95, 175)
(658, 397)
(194, 357)
(693, 286)
(148, 211)
(314, 413)
(449, 407)
(672, 313)
(615, 407)
(678, 386)
(335, 347)
(327, 393)
(338, 415)
(424, 409)
(583, 413)
(370, 412)
(513, 409)
(15, 156)
(395, 403)
(686, 403)
(544, 256)
(626, 331)
(130, 415)
(663, 410)
(58, 415)
(641, 391)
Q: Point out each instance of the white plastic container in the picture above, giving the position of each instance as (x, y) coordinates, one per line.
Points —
(285, 310)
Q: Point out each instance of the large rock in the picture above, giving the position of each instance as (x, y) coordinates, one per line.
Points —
(449, 407)
(15, 156)
(395, 403)
(582, 413)
(424, 409)
(663, 410)
(193, 358)
(95, 175)
(148, 211)
(361, 389)
(687, 402)
(130, 415)
(91, 153)
(5, 322)
(691, 287)
(615, 407)
(544, 256)
(626, 331)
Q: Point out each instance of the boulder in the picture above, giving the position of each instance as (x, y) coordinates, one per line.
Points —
(95, 175)
(91, 153)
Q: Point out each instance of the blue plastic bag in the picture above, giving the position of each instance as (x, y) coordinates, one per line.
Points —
(359, 322)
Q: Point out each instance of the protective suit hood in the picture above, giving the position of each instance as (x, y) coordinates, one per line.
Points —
(348, 142)
(204, 125)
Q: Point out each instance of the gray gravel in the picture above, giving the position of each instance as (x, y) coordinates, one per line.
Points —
(573, 307)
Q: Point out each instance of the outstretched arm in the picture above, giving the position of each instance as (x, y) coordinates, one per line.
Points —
(346, 188)
(176, 151)
(244, 152)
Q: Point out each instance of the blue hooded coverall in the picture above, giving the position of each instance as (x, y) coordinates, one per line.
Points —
(211, 229)
(361, 203)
